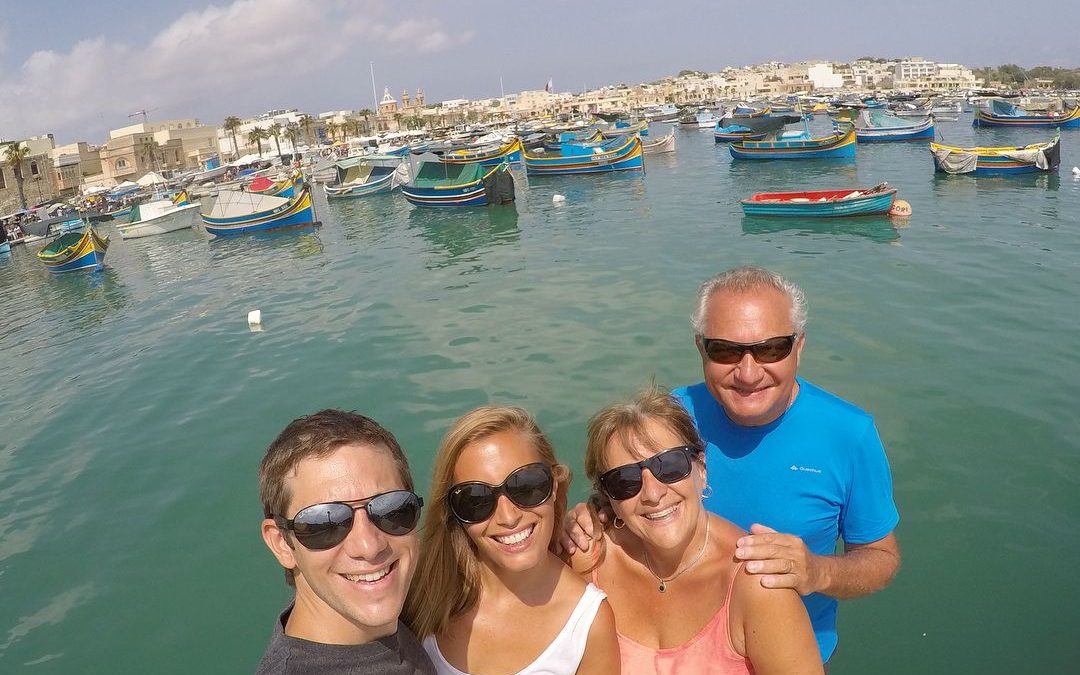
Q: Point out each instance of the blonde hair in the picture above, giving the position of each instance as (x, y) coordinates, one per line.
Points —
(626, 421)
(447, 580)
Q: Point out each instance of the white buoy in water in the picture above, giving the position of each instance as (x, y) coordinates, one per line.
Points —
(558, 199)
(1076, 170)
(255, 320)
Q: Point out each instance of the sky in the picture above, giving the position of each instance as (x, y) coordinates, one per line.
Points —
(77, 69)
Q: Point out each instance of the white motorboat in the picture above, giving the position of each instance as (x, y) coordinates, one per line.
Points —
(158, 217)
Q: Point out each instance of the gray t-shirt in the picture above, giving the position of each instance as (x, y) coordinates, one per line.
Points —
(397, 654)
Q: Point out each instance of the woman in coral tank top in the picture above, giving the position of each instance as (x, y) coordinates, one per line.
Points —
(682, 604)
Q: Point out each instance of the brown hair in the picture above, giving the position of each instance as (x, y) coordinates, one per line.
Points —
(317, 436)
(626, 421)
(447, 580)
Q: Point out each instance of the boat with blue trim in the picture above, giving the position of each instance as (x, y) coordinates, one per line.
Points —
(879, 126)
(618, 154)
(366, 176)
(822, 203)
(487, 155)
(75, 251)
(1004, 114)
(232, 213)
(441, 184)
(798, 145)
(1034, 158)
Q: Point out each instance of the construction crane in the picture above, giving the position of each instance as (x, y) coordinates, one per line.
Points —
(144, 114)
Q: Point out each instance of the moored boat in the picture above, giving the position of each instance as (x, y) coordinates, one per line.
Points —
(1037, 157)
(660, 145)
(75, 251)
(366, 176)
(1005, 114)
(618, 154)
(798, 146)
(285, 187)
(232, 213)
(487, 155)
(878, 126)
(440, 184)
(736, 132)
(159, 217)
(822, 203)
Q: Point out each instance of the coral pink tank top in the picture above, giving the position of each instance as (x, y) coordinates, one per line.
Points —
(710, 651)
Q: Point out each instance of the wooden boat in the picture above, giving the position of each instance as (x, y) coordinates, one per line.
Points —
(619, 154)
(159, 217)
(488, 155)
(665, 113)
(822, 203)
(583, 136)
(878, 126)
(620, 128)
(1037, 157)
(750, 112)
(366, 176)
(798, 146)
(75, 251)
(232, 213)
(5, 247)
(441, 184)
(663, 144)
(1005, 114)
(286, 187)
(736, 132)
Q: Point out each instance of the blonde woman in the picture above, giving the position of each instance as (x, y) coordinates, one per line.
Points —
(489, 597)
(682, 603)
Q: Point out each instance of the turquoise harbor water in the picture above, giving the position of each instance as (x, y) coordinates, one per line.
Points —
(136, 403)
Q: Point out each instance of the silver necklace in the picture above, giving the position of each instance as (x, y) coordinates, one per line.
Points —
(663, 582)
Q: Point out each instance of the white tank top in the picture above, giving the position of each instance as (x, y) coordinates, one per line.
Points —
(561, 657)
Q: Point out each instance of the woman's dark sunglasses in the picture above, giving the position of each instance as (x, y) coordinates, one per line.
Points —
(323, 526)
(527, 486)
(767, 351)
(669, 466)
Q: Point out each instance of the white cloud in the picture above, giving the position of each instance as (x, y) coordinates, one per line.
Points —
(227, 53)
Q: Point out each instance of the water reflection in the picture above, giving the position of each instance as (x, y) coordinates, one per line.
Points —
(459, 232)
(301, 242)
(84, 299)
(882, 229)
(358, 217)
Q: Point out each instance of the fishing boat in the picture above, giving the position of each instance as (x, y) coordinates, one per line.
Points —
(706, 119)
(441, 184)
(159, 217)
(232, 213)
(622, 128)
(736, 132)
(822, 203)
(1005, 114)
(486, 155)
(366, 176)
(660, 145)
(1037, 157)
(582, 136)
(5, 247)
(285, 187)
(668, 112)
(618, 154)
(798, 145)
(749, 111)
(75, 251)
(878, 126)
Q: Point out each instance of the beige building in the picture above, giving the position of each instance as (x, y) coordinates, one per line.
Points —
(164, 147)
(73, 163)
(37, 173)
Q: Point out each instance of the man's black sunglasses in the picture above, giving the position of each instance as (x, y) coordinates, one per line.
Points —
(728, 353)
(527, 486)
(669, 466)
(323, 526)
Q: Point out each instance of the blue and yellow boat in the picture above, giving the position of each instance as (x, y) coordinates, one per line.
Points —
(618, 154)
(233, 213)
(75, 251)
(1034, 158)
(1005, 114)
(736, 132)
(286, 187)
(441, 184)
(878, 126)
(798, 145)
(489, 155)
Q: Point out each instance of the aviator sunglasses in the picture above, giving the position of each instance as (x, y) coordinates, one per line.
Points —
(669, 466)
(527, 486)
(323, 526)
(728, 353)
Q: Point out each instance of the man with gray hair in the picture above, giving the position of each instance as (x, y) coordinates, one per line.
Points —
(793, 464)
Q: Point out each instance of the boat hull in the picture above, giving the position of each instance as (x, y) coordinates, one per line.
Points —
(627, 157)
(180, 219)
(382, 184)
(822, 204)
(472, 193)
(295, 212)
(510, 152)
(1070, 120)
(73, 252)
(831, 147)
(998, 161)
(919, 132)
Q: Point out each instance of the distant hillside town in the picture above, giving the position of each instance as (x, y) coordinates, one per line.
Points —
(168, 147)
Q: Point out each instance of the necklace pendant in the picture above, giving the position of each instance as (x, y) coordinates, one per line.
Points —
(662, 587)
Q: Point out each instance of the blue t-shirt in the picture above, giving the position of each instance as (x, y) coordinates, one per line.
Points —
(819, 472)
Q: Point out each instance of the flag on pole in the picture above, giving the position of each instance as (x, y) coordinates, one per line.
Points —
(547, 87)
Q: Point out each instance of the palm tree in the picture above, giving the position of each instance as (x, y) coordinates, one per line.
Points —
(15, 154)
(274, 131)
(292, 132)
(150, 148)
(256, 136)
(230, 125)
(365, 114)
(307, 122)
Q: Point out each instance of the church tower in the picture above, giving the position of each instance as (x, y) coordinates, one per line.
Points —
(405, 99)
(419, 98)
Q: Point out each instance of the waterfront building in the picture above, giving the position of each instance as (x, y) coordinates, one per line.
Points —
(73, 164)
(38, 177)
(165, 147)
